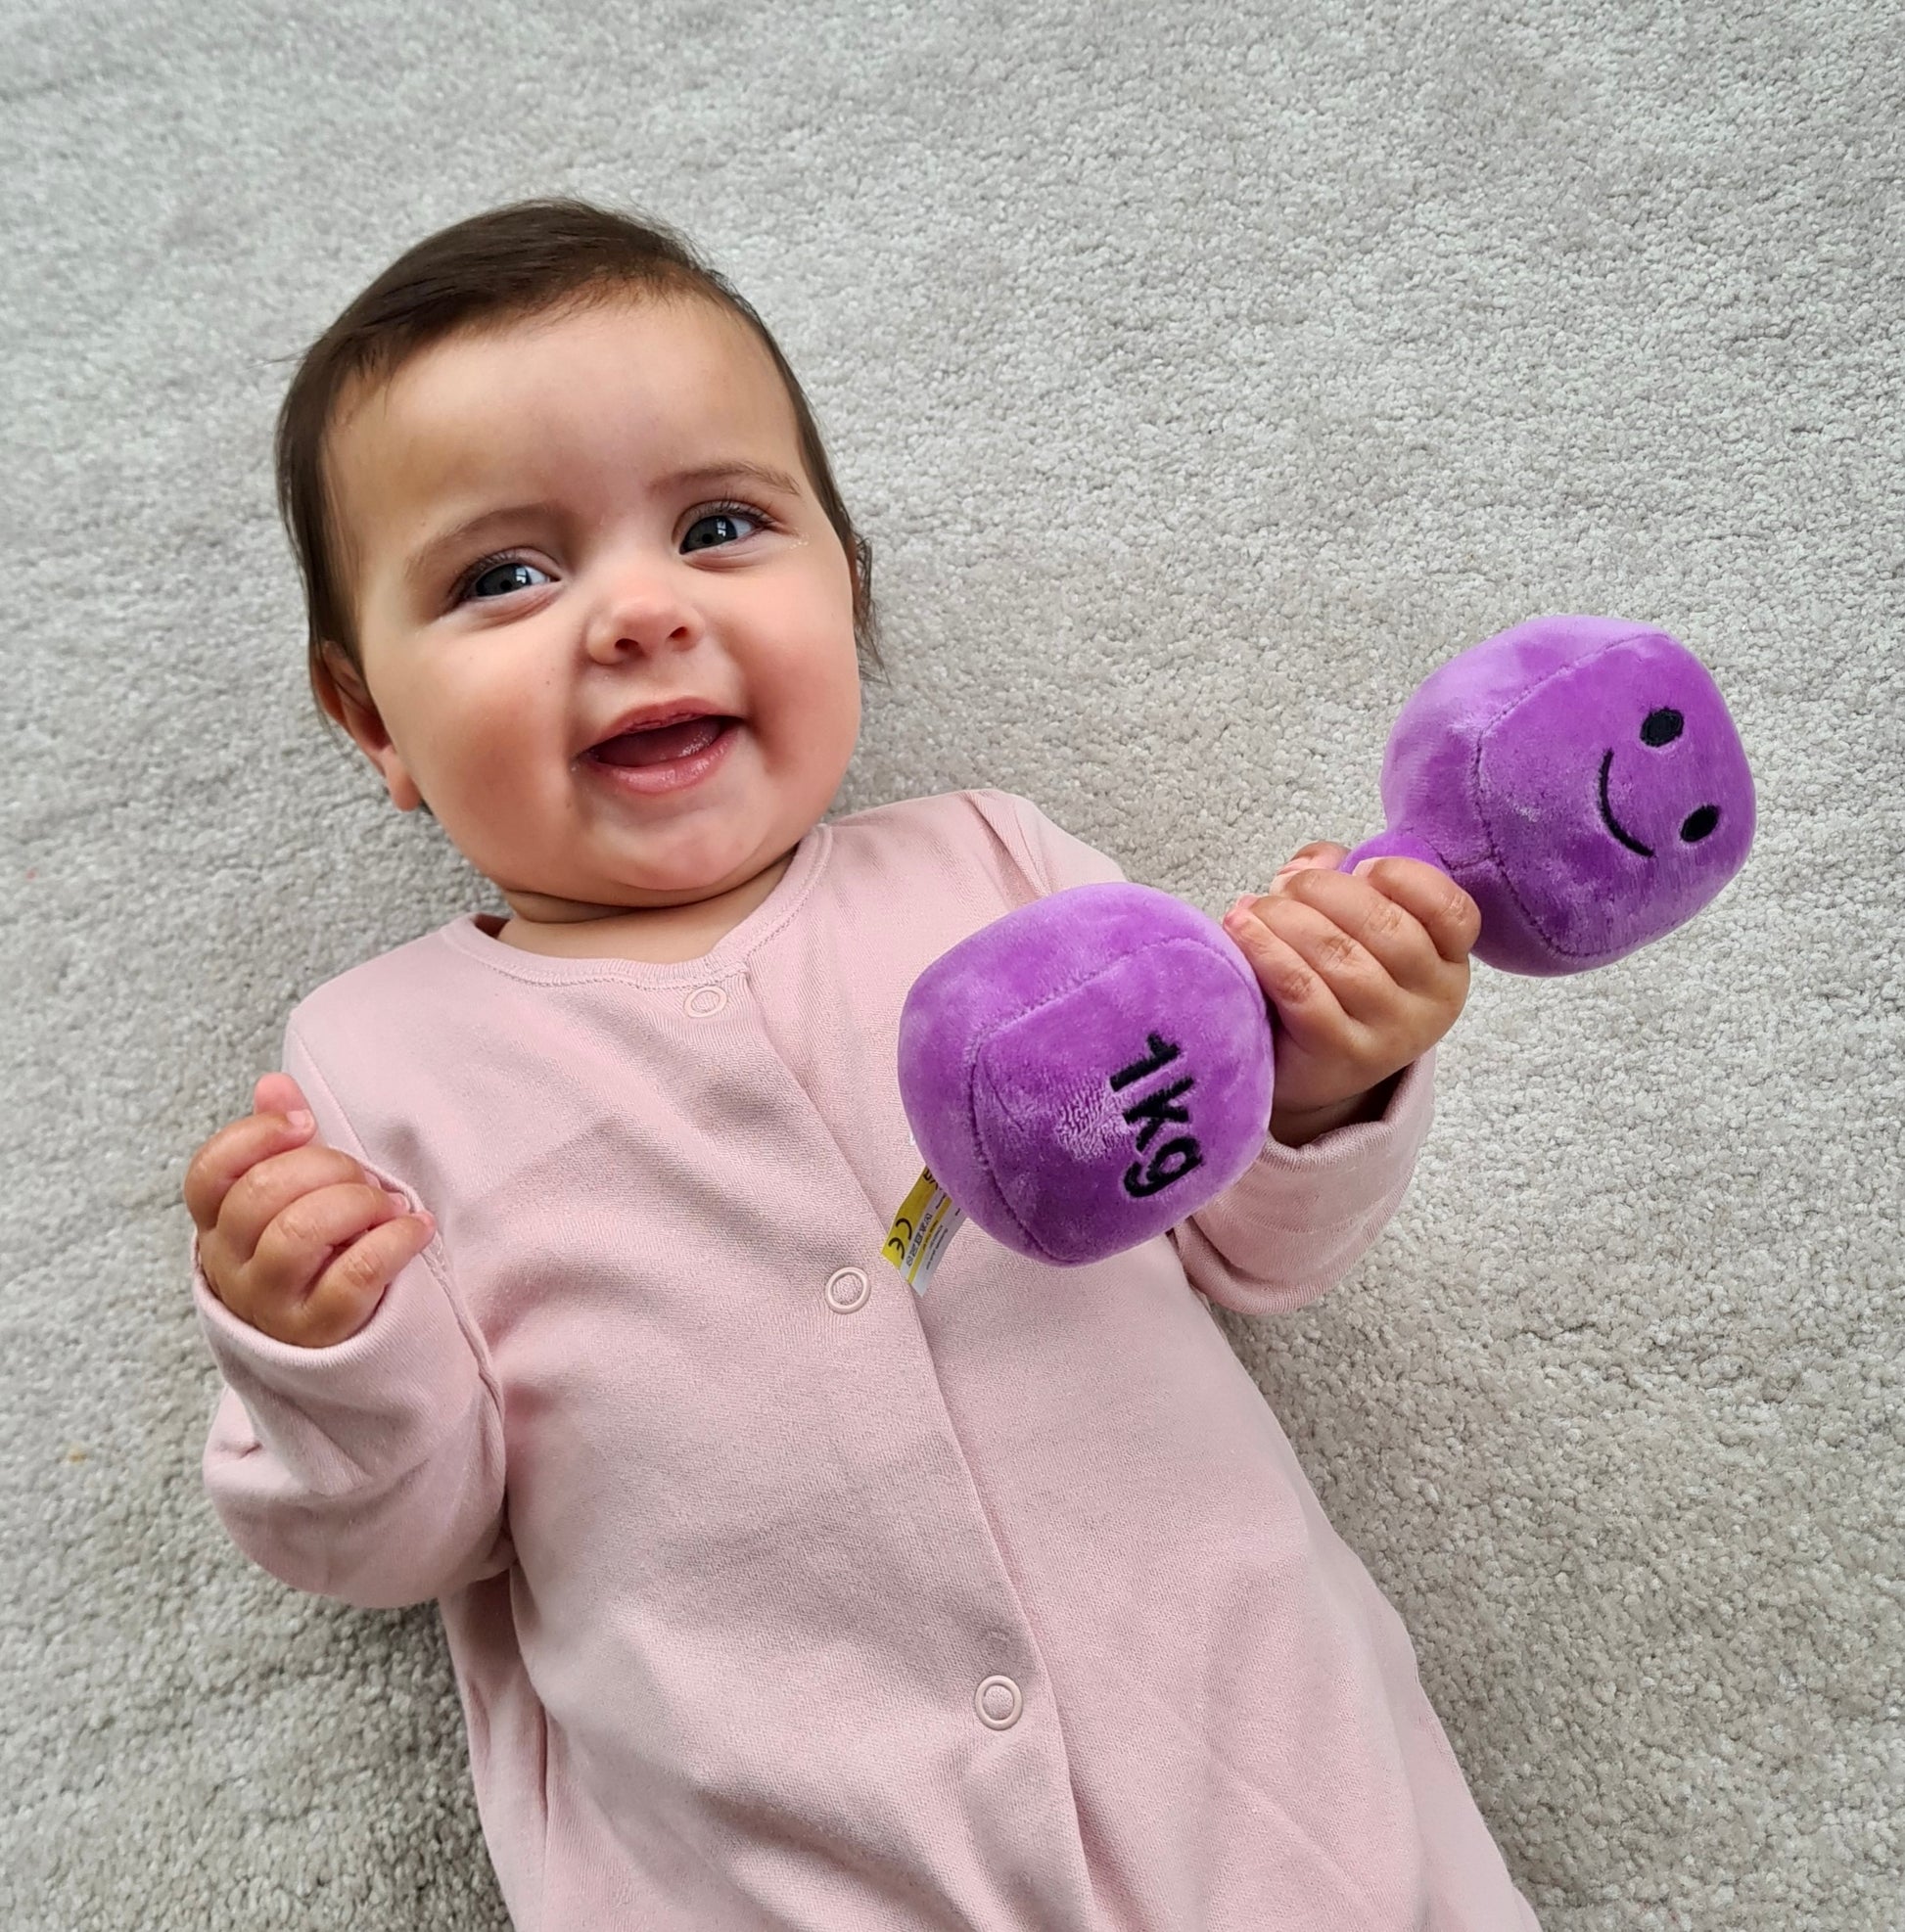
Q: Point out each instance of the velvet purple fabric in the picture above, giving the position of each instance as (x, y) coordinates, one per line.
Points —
(1088, 1071)
(1580, 778)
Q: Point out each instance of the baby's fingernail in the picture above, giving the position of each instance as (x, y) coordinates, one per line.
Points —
(1361, 866)
(299, 1121)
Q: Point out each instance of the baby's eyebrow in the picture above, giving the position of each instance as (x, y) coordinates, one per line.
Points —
(424, 560)
(746, 472)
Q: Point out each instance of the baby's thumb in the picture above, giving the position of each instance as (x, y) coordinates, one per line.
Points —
(1318, 856)
(277, 1093)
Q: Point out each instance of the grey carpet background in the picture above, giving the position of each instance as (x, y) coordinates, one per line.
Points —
(1204, 376)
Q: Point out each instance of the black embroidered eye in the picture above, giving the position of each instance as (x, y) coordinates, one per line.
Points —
(1699, 823)
(1661, 727)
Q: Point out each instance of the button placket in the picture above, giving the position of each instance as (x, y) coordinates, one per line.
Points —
(997, 1700)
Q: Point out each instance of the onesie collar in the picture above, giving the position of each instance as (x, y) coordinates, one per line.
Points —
(471, 936)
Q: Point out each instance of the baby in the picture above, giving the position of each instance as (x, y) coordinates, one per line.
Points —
(546, 1281)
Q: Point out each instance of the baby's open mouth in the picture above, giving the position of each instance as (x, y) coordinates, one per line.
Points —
(662, 743)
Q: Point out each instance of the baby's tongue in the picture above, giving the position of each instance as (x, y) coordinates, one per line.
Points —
(662, 743)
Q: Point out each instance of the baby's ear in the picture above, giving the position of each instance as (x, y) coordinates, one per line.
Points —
(341, 691)
(345, 697)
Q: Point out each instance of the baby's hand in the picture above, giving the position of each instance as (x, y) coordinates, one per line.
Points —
(294, 1236)
(1366, 971)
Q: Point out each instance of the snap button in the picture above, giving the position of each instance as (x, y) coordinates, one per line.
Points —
(706, 1001)
(999, 1703)
(846, 1289)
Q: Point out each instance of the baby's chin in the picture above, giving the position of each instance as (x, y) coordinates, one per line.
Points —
(679, 889)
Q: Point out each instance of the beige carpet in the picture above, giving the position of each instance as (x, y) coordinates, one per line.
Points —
(1204, 376)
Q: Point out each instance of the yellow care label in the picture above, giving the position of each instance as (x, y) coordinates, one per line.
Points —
(926, 1222)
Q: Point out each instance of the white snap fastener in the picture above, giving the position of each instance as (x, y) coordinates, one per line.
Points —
(847, 1288)
(999, 1703)
(706, 1001)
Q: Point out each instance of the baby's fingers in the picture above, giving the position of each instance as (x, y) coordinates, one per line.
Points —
(322, 1265)
(1318, 854)
(278, 1093)
(222, 1161)
(1449, 917)
(1306, 1004)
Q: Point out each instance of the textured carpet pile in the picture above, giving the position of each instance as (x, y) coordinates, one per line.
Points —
(1203, 376)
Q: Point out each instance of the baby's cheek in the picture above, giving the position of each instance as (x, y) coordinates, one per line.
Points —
(807, 701)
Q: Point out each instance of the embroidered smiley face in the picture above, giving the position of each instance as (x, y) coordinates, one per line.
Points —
(1616, 798)
(1660, 728)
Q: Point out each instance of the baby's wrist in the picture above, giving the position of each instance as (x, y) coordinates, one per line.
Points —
(1297, 1126)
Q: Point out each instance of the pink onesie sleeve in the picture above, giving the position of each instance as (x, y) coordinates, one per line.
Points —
(1298, 1219)
(371, 1470)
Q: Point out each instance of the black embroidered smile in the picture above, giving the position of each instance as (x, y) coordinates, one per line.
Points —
(1607, 817)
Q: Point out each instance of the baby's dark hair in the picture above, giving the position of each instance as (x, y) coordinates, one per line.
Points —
(528, 259)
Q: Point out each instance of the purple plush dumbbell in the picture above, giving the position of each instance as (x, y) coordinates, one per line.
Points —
(1090, 1070)
(1580, 778)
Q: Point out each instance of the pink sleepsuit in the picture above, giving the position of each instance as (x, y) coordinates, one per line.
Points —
(780, 1595)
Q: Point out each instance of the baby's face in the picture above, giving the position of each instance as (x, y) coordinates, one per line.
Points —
(549, 527)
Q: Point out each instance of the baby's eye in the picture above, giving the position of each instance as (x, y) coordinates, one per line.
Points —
(506, 574)
(720, 526)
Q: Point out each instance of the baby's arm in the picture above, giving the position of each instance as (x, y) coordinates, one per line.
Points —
(1298, 1219)
(367, 1468)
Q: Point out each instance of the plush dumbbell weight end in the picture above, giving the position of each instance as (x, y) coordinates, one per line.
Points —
(1088, 1071)
(1580, 778)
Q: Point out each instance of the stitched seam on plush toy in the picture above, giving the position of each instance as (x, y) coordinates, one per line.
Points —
(1474, 785)
(975, 1072)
